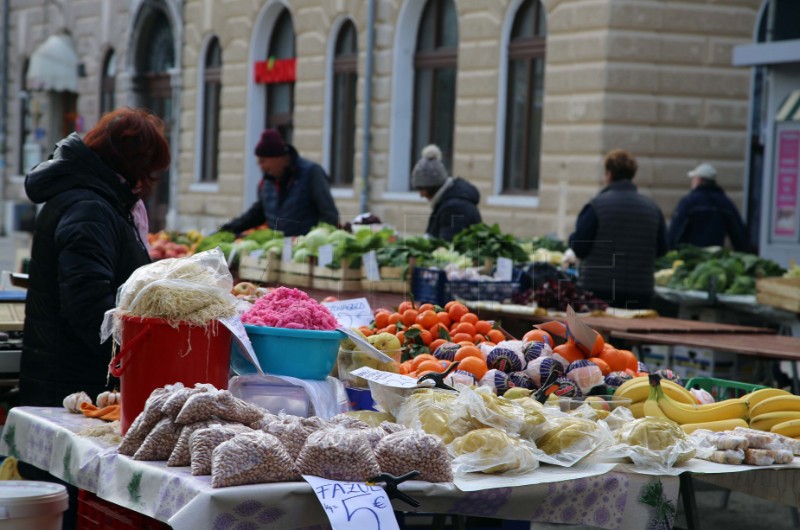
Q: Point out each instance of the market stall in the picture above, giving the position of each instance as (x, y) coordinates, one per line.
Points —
(593, 494)
(560, 426)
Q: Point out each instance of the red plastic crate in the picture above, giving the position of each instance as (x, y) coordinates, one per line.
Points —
(96, 514)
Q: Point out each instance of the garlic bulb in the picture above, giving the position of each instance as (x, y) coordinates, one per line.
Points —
(105, 399)
(73, 401)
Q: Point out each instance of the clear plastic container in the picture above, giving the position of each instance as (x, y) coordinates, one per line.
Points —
(350, 360)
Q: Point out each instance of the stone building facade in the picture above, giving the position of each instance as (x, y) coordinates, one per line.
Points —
(653, 77)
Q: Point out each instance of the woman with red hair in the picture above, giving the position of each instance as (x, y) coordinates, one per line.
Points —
(90, 235)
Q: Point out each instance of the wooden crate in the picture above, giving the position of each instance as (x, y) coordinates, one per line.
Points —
(264, 268)
(783, 293)
(392, 280)
(295, 274)
(344, 278)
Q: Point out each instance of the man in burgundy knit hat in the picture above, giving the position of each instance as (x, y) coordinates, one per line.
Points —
(294, 194)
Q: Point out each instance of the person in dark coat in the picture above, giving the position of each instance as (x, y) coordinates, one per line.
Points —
(90, 235)
(294, 194)
(454, 201)
(618, 236)
(706, 215)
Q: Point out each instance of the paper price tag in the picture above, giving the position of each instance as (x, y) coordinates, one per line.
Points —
(286, 254)
(505, 268)
(256, 253)
(354, 505)
(373, 271)
(389, 379)
(583, 335)
(351, 313)
(234, 324)
(325, 255)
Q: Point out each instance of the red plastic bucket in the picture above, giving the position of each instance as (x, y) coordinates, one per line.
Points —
(154, 354)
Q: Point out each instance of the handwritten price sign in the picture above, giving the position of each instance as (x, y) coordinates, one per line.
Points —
(354, 505)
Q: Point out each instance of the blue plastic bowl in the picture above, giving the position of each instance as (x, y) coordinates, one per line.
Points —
(300, 353)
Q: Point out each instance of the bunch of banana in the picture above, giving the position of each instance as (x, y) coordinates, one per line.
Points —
(638, 390)
(660, 405)
(775, 410)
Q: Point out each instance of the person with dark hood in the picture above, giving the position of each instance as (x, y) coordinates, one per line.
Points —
(618, 236)
(454, 201)
(90, 235)
(294, 194)
(706, 215)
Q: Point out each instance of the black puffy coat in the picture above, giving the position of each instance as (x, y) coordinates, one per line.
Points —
(455, 210)
(85, 246)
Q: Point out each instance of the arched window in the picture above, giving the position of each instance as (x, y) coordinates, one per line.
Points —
(525, 95)
(345, 77)
(212, 85)
(280, 96)
(108, 83)
(435, 68)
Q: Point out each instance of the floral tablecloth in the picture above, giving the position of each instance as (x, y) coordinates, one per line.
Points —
(46, 438)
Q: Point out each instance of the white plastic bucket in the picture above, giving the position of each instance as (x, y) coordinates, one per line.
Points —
(30, 505)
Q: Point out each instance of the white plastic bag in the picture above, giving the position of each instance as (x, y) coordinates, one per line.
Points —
(194, 289)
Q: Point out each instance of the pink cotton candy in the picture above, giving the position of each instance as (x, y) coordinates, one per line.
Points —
(290, 308)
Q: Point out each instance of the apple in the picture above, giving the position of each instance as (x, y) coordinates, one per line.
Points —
(385, 342)
(244, 289)
(347, 343)
(598, 403)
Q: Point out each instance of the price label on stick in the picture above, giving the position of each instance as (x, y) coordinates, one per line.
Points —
(354, 505)
(325, 255)
(373, 271)
(257, 253)
(286, 255)
(505, 268)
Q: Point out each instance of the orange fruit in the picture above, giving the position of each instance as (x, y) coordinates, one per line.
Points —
(478, 338)
(433, 366)
(425, 307)
(469, 351)
(427, 338)
(381, 319)
(569, 351)
(496, 336)
(410, 316)
(538, 335)
(434, 345)
(598, 347)
(421, 358)
(365, 330)
(427, 319)
(444, 318)
(615, 360)
(483, 327)
(608, 346)
(391, 328)
(602, 364)
(404, 306)
(473, 365)
(450, 304)
(631, 362)
(465, 327)
(462, 337)
(466, 343)
(394, 318)
(472, 318)
(401, 336)
(457, 311)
